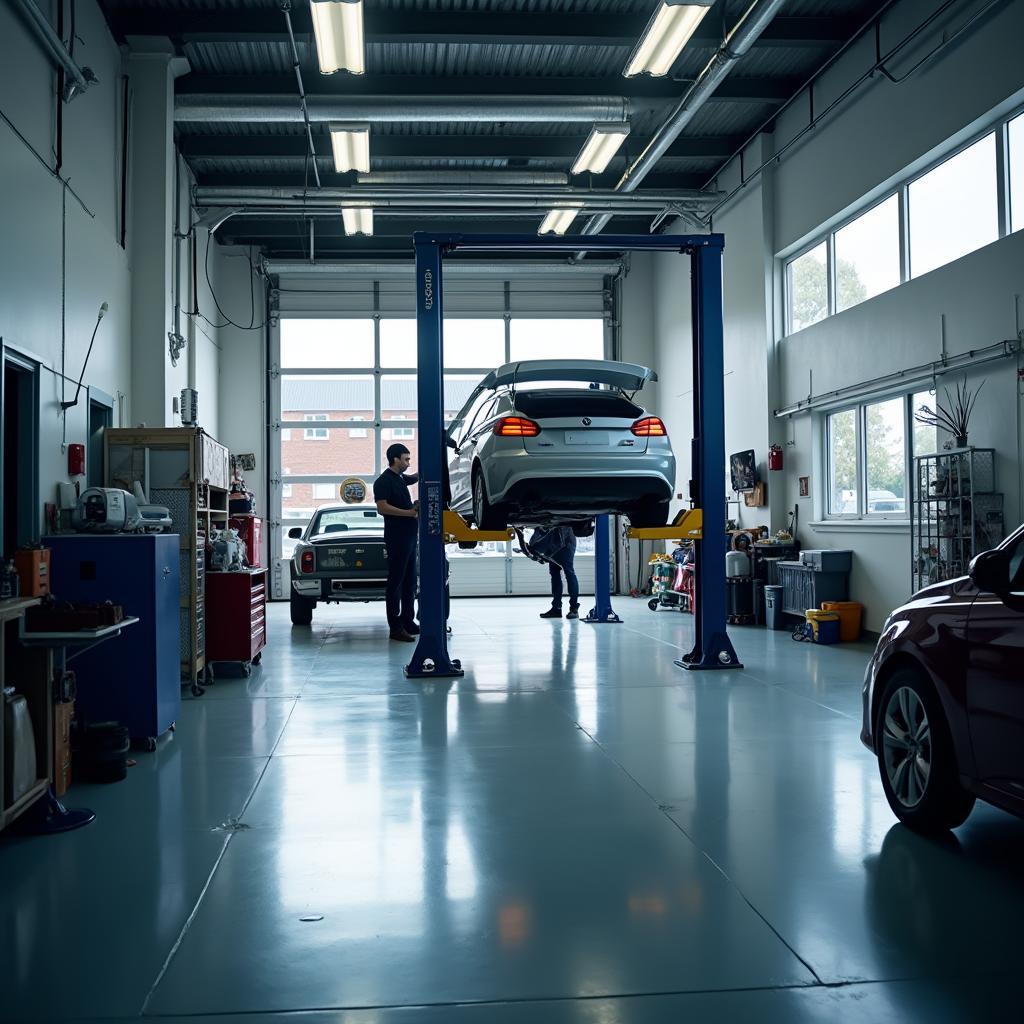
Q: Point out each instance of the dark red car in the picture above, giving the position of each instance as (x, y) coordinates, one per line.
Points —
(944, 695)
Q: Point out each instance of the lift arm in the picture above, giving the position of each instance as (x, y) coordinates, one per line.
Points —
(687, 525)
(457, 529)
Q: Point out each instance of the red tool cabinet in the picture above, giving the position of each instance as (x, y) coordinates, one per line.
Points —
(236, 617)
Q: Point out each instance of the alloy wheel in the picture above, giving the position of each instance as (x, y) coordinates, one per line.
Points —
(907, 746)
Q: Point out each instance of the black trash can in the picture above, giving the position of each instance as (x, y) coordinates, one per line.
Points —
(773, 607)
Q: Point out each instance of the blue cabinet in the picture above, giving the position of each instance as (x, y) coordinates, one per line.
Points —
(134, 678)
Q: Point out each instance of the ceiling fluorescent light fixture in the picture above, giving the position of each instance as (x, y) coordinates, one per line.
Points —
(557, 222)
(358, 220)
(668, 31)
(351, 145)
(600, 147)
(338, 28)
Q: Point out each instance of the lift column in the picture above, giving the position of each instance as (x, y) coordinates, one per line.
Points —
(431, 656)
(712, 647)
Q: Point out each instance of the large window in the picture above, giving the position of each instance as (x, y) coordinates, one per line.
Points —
(867, 456)
(807, 288)
(954, 208)
(1015, 154)
(867, 254)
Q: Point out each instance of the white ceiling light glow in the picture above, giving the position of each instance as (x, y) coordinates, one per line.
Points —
(664, 38)
(351, 145)
(557, 222)
(600, 147)
(358, 220)
(338, 28)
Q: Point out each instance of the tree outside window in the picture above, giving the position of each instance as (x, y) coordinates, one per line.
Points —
(842, 462)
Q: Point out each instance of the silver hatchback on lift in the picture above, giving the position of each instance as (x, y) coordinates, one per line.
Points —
(557, 440)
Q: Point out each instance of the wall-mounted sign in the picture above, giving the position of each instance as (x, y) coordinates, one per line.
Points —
(805, 486)
(352, 491)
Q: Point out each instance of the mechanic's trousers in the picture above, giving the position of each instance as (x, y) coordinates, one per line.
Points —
(400, 595)
(562, 561)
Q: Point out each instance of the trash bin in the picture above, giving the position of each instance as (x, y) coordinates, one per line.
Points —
(773, 607)
(849, 613)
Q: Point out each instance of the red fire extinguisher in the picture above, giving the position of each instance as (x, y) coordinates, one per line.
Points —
(775, 457)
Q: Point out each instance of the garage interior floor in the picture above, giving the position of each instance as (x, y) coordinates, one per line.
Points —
(576, 831)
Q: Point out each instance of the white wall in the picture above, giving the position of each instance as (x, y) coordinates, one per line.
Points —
(882, 132)
(97, 269)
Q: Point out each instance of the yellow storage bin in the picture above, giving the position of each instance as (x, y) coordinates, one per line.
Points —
(849, 613)
(824, 625)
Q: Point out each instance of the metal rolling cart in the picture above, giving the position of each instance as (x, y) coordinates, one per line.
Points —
(956, 513)
(189, 472)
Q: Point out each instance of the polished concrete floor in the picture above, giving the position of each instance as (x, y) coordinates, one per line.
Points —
(577, 831)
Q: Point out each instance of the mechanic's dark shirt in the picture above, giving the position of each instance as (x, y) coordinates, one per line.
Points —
(393, 488)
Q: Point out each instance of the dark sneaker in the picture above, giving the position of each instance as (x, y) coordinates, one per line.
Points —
(552, 613)
(412, 630)
(574, 611)
(400, 634)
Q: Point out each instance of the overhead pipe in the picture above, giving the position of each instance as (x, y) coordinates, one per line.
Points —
(743, 35)
(462, 177)
(77, 79)
(468, 268)
(454, 196)
(265, 109)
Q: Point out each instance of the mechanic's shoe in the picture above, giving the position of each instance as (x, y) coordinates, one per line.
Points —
(400, 634)
(574, 611)
(412, 630)
(554, 612)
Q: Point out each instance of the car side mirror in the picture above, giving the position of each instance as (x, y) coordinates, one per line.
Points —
(450, 441)
(295, 533)
(990, 572)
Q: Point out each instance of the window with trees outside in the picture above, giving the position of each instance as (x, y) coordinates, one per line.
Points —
(868, 449)
(962, 202)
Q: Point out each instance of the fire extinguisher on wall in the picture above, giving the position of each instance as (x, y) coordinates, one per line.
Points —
(775, 457)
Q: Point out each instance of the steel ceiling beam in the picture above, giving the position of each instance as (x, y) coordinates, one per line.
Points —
(492, 28)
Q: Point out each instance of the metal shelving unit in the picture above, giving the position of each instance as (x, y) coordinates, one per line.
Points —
(955, 513)
(189, 472)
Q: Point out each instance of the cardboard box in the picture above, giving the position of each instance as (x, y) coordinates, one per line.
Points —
(62, 715)
(34, 571)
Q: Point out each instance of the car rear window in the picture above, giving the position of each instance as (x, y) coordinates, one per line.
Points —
(542, 404)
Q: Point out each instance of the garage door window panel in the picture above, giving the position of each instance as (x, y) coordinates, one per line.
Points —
(337, 454)
(556, 338)
(325, 343)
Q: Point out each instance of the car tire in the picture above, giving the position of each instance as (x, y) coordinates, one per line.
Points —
(649, 515)
(487, 516)
(301, 609)
(916, 757)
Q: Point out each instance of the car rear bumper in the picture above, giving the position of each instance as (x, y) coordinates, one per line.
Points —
(590, 484)
(319, 588)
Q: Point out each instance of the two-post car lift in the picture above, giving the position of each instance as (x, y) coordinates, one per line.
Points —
(712, 648)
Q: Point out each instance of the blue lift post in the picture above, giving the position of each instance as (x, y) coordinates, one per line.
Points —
(712, 648)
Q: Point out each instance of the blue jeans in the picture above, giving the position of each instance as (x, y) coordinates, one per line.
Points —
(562, 561)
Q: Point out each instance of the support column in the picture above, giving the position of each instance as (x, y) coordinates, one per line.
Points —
(712, 647)
(152, 68)
(431, 657)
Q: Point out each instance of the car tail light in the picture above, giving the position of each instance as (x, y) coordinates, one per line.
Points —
(516, 426)
(649, 426)
(308, 561)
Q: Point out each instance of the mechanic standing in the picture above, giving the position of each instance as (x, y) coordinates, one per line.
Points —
(395, 504)
(556, 545)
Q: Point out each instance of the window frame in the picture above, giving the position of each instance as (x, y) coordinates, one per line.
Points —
(862, 515)
(998, 126)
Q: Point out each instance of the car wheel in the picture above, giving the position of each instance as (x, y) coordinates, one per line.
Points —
(916, 758)
(487, 516)
(301, 609)
(650, 514)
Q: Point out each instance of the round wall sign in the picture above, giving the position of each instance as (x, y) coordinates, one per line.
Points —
(352, 491)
